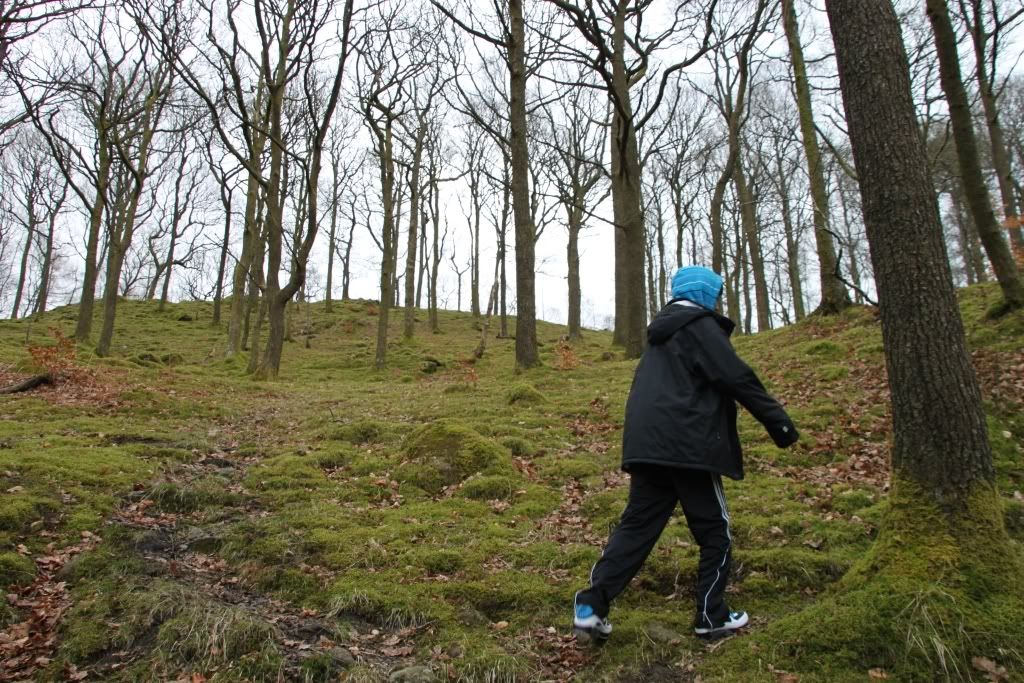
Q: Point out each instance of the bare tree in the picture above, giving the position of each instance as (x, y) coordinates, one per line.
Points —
(509, 37)
(621, 51)
(577, 171)
(37, 192)
(384, 79)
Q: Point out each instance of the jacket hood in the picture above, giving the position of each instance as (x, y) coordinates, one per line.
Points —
(674, 317)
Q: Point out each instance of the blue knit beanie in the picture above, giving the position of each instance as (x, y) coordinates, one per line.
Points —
(697, 284)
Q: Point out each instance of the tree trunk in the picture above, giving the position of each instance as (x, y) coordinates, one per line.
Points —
(387, 265)
(748, 218)
(83, 327)
(941, 441)
(23, 270)
(332, 244)
(942, 563)
(250, 228)
(43, 294)
(165, 291)
(573, 256)
(525, 231)
(218, 294)
(834, 296)
(792, 246)
(409, 326)
(970, 164)
(345, 269)
(1000, 153)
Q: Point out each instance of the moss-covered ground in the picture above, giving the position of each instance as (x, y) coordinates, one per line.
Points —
(435, 518)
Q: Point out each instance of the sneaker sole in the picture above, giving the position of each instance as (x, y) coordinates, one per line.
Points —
(717, 634)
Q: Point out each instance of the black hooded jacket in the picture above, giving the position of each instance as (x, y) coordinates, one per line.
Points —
(681, 410)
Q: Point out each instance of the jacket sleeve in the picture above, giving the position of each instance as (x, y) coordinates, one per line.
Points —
(717, 361)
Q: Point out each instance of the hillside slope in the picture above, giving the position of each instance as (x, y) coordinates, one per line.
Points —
(167, 517)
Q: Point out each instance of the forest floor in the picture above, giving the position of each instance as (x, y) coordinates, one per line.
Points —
(164, 517)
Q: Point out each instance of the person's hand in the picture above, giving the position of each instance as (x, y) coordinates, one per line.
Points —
(784, 435)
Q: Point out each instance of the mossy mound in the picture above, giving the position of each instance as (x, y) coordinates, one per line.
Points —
(444, 453)
(928, 597)
(525, 394)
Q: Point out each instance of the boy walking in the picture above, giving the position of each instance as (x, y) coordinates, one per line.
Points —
(679, 439)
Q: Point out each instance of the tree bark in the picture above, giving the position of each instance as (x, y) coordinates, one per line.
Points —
(43, 295)
(748, 218)
(573, 256)
(978, 199)
(83, 327)
(23, 270)
(940, 436)
(525, 231)
(1000, 153)
(834, 296)
(218, 294)
(792, 246)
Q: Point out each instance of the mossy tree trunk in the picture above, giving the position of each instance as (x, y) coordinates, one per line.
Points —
(942, 582)
(834, 296)
(976, 190)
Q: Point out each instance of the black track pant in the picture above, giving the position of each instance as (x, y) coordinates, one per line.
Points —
(653, 494)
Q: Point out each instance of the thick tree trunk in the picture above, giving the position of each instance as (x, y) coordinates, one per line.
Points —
(940, 437)
(526, 233)
(83, 327)
(834, 296)
(967, 154)
(241, 275)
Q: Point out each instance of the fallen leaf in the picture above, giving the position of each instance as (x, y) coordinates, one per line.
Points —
(995, 672)
(501, 626)
(877, 674)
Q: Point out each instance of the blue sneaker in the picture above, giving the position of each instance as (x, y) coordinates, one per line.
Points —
(587, 626)
(712, 630)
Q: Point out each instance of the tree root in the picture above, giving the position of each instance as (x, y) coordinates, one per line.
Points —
(28, 384)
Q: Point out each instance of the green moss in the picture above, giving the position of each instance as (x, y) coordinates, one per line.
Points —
(445, 452)
(932, 593)
(525, 394)
(518, 446)
(491, 487)
(823, 349)
(15, 570)
(361, 432)
(832, 373)
(442, 561)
